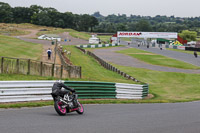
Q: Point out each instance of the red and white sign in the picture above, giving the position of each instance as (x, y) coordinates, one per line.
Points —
(147, 34)
(181, 47)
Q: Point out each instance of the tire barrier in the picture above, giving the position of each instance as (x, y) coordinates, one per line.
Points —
(90, 89)
(97, 45)
(169, 46)
(131, 91)
(22, 91)
(192, 49)
(18, 91)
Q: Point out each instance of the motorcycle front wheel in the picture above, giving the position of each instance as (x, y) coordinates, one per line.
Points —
(58, 107)
(80, 108)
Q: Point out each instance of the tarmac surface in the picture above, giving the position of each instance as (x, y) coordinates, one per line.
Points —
(108, 118)
(110, 55)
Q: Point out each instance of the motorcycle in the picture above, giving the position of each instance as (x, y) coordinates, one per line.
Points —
(67, 103)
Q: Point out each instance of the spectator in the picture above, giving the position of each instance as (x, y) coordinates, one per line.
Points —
(49, 53)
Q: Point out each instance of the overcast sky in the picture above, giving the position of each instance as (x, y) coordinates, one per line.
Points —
(178, 8)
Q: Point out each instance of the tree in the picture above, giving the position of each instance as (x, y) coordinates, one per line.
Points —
(69, 20)
(97, 15)
(143, 25)
(36, 9)
(86, 22)
(121, 27)
(93, 22)
(22, 14)
(5, 13)
(41, 18)
(188, 35)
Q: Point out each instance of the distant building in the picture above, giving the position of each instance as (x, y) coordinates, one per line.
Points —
(50, 37)
(94, 40)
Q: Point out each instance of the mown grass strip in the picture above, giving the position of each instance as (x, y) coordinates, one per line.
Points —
(91, 69)
(168, 86)
(156, 59)
(90, 101)
(13, 47)
(9, 77)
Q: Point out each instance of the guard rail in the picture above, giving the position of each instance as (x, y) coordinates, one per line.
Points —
(17, 91)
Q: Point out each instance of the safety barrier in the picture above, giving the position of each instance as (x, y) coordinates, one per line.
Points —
(91, 89)
(131, 91)
(97, 45)
(169, 46)
(17, 91)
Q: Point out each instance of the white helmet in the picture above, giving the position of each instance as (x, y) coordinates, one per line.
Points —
(59, 81)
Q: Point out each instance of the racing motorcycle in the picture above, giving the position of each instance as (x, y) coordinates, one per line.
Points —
(66, 103)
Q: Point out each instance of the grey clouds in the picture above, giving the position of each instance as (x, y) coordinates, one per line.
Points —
(178, 8)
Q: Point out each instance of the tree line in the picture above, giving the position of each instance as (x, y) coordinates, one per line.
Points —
(96, 22)
(46, 17)
(113, 23)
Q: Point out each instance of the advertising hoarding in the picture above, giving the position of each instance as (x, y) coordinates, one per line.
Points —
(147, 34)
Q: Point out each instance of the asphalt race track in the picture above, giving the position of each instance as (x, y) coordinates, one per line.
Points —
(189, 58)
(109, 118)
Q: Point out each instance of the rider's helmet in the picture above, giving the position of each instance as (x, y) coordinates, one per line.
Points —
(59, 81)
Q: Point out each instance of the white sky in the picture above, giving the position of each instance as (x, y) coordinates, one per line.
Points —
(178, 8)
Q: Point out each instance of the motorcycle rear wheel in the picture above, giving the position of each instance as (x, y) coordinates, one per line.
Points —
(58, 107)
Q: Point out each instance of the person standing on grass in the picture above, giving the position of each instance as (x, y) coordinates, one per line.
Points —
(195, 54)
(49, 53)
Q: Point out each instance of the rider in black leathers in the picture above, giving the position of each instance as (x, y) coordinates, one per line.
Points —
(57, 86)
(56, 90)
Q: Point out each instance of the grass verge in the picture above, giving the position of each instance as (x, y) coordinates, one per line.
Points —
(91, 70)
(168, 86)
(13, 47)
(156, 59)
(7, 77)
(73, 33)
(90, 101)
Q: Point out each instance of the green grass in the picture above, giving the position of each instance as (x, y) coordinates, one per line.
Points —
(168, 86)
(16, 29)
(19, 29)
(126, 39)
(88, 101)
(165, 86)
(156, 59)
(73, 33)
(6, 77)
(91, 70)
(13, 47)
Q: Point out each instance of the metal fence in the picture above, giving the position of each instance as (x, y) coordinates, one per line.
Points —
(32, 67)
(72, 71)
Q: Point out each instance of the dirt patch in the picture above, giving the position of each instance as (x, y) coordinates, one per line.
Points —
(149, 96)
(32, 32)
(67, 60)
